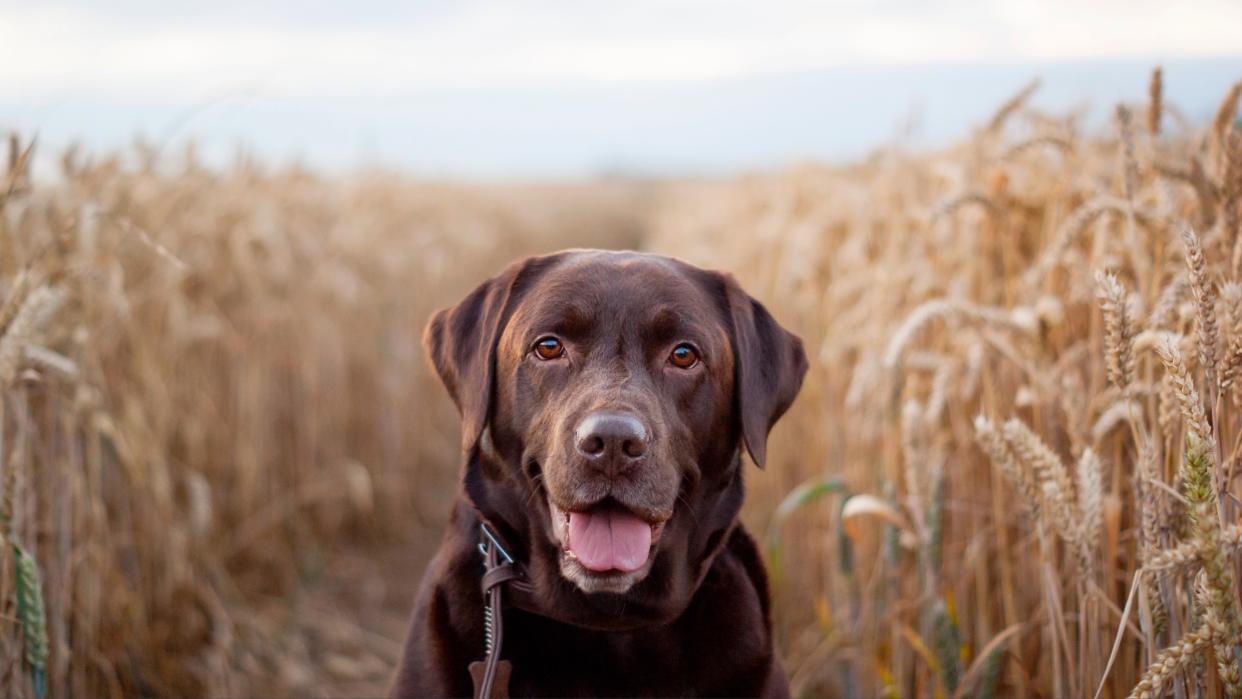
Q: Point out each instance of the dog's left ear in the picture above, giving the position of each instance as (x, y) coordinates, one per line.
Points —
(461, 343)
(769, 366)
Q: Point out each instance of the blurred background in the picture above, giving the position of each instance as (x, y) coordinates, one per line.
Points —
(502, 90)
(224, 462)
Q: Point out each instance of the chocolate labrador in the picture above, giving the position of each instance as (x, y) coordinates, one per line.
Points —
(595, 548)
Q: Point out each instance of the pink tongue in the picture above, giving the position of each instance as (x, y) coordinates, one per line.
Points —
(609, 539)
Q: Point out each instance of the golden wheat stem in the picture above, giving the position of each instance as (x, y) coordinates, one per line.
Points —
(1155, 102)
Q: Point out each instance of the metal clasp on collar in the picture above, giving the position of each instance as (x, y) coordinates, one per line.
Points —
(491, 538)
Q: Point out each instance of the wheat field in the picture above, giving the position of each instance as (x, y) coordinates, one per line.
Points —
(1011, 471)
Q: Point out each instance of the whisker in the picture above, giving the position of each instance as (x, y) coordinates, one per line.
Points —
(684, 501)
(536, 483)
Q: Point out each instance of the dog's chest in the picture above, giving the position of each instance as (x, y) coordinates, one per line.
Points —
(554, 660)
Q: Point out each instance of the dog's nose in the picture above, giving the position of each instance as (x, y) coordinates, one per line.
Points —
(611, 441)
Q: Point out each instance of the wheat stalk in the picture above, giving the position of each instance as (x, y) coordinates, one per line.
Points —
(1011, 107)
(1090, 477)
(1189, 554)
(1225, 115)
(1119, 341)
(34, 312)
(1002, 455)
(1205, 299)
(1155, 101)
(1164, 313)
(1051, 476)
(963, 312)
(1168, 663)
(1184, 392)
(1221, 610)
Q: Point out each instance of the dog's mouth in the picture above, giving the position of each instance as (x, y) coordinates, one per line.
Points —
(606, 546)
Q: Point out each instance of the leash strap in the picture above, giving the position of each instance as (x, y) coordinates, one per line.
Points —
(491, 677)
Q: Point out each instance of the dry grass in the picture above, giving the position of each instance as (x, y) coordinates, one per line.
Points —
(1012, 470)
(213, 386)
(1029, 356)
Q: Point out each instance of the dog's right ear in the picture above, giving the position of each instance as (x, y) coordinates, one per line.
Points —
(461, 342)
(770, 365)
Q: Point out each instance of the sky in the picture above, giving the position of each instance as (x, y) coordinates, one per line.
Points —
(555, 89)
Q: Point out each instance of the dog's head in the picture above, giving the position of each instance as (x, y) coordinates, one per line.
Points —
(605, 398)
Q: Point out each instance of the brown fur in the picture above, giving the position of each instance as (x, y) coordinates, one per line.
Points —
(694, 621)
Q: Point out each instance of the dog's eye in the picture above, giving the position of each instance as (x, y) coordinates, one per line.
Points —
(683, 356)
(549, 348)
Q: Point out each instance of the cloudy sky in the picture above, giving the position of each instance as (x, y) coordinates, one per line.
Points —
(343, 84)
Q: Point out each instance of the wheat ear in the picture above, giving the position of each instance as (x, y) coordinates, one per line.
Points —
(1205, 300)
(1221, 605)
(1155, 102)
(1119, 330)
(1058, 490)
(1184, 391)
(1168, 663)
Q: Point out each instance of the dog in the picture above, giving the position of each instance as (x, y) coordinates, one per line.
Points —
(605, 401)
